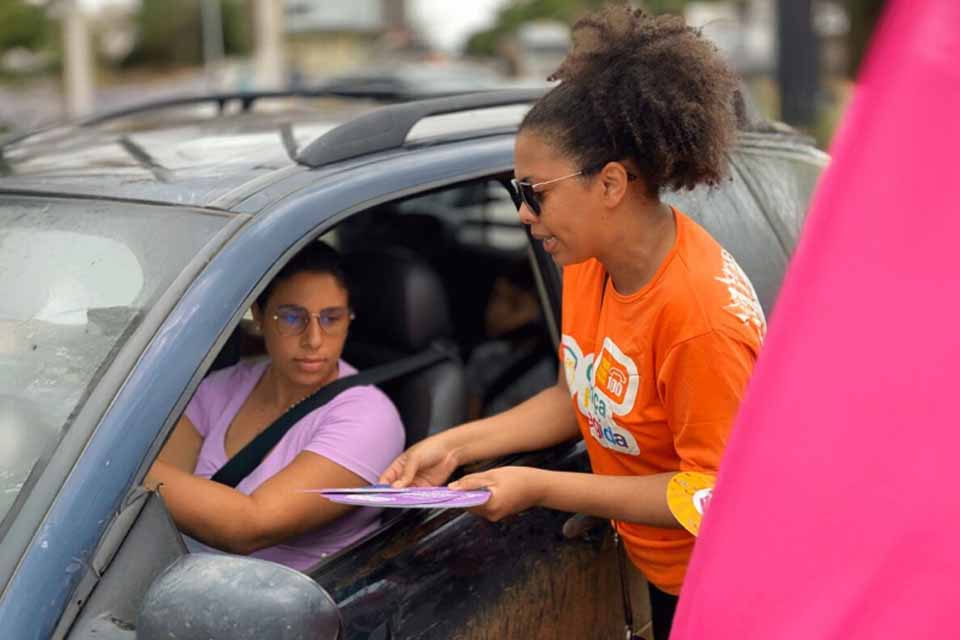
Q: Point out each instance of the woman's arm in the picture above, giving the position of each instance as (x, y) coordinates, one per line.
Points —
(701, 382)
(183, 447)
(639, 499)
(279, 509)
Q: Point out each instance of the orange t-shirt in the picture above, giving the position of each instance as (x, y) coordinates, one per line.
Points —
(657, 376)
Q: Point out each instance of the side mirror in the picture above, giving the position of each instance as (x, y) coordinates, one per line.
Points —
(205, 596)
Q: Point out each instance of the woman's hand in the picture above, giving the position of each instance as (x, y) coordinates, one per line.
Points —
(426, 464)
(512, 489)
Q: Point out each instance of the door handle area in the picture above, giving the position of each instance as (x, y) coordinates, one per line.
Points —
(581, 526)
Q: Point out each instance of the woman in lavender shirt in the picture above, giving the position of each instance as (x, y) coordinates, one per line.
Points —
(304, 314)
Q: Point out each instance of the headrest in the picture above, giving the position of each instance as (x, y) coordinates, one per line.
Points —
(399, 300)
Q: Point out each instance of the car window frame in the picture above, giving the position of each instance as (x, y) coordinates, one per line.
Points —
(551, 308)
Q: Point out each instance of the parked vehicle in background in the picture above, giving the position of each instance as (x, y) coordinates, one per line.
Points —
(131, 247)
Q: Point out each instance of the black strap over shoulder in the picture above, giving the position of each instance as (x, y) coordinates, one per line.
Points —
(249, 458)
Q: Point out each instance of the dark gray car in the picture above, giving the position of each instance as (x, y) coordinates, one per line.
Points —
(131, 247)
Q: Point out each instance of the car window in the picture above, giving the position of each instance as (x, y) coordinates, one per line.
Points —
(783, 184)
(76, 278)
(470, 236)
(482, 214)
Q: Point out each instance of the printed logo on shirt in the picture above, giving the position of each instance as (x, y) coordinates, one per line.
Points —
(572, 357)
(743, 299)
(602, 391)
(616, 377)
(577, 369)
(605, 430)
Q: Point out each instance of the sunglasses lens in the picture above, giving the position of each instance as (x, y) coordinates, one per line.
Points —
(529, 197)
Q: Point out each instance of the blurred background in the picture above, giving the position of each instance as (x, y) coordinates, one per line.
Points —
(65, 59)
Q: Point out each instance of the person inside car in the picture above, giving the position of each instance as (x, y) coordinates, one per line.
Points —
(517, 360)
(303, 315)
(661, 327)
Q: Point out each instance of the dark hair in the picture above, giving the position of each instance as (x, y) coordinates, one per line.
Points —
(317, 257)
(645, 88)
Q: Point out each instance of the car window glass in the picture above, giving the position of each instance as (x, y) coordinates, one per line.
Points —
(481, 213)
(783, 185)
(75, 279)
(470, 235)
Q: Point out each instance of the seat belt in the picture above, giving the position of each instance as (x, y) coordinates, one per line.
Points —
(249, 458)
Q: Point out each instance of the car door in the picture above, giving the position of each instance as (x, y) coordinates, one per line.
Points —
(449, 574)
(138, 540)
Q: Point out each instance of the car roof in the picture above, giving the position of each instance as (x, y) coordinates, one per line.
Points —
(188, 154)
(195, 150)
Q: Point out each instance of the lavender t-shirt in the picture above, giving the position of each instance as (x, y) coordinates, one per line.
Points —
(359, 430)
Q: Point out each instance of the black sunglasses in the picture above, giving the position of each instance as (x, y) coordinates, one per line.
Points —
(530, 196)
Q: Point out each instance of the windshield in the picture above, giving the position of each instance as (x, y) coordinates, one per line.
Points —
(76, 278)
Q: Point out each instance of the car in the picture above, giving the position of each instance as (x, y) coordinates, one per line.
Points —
(131, 247)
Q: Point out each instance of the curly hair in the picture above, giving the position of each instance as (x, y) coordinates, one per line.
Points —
(647, 88)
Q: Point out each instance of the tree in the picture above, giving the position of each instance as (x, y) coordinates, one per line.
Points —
(510, 17)
(171, 32)
(864, 15)
(22, 25)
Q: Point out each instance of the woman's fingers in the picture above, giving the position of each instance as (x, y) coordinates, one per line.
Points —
(397, 471)
(472, 481)
(409, 472)
(490, 509)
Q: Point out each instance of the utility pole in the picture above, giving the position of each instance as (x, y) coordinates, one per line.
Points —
(798, 62)
(78, 79)
(394, 14)
(269, 23)
(212, 41)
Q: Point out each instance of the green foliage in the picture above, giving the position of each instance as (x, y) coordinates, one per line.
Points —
(237, 27)
(517, 12)
(22, 25)
(864, 15)
(171, 32)
(665, 6)
(514, 14)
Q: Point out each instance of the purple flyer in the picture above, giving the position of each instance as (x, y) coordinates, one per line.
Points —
(409, 498)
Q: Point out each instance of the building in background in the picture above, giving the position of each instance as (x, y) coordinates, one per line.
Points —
(329, 37)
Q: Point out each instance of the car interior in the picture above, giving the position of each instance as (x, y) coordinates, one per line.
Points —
(421, 272)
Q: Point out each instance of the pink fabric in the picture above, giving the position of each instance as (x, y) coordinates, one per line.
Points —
(836, 513)
(359, 430)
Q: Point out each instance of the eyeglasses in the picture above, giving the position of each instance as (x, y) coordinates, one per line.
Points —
(293, 320)
(531, 197)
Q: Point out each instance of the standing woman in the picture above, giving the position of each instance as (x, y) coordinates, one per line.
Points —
(661, 328)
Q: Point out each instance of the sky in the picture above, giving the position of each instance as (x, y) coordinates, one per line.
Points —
(448, 23)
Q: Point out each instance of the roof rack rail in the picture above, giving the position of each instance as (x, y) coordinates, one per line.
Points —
(245, 98)
(388, 127)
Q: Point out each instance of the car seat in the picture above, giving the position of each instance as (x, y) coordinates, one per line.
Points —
(401, 309)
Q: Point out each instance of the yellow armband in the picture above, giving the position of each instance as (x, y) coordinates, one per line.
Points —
(688, 494)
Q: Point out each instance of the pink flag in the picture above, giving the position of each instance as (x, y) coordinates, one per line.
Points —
(837, 509)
